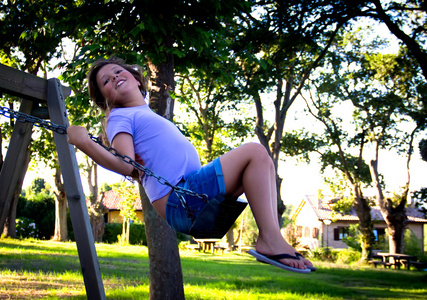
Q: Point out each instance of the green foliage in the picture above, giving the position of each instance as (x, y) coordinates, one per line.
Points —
(37, 186)
(26, 228)
(136, 235)
(41, 209)
(105, 187)
(420, 198)
(324, 254)
(348, 256)
(301, 143)
(423, 149)
(411, 244)
(343, 205)
(345, 256)
(354, 239)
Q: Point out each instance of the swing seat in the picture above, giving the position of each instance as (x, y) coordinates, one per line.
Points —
(217, 217)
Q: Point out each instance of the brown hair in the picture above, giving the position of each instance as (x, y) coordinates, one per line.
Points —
(94, 91)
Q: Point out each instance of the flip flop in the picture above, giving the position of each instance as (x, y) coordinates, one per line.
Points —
(312, 269)
(274, 261)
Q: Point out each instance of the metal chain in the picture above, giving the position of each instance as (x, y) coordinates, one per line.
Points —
(24, 118)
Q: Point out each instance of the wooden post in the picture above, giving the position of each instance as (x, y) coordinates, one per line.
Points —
(75, 196)
(9, 175)
(33, 88)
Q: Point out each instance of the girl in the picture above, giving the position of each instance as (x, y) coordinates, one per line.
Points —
(136, 131)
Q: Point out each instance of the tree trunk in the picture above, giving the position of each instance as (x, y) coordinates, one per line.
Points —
(395, 217)
(230, 238)
(60, 233)
(363, 211)
(10, 224)
(264, 139)
(165, 266)
(92, 180)
(97, 222)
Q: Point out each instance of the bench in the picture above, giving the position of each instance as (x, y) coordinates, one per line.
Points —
(379, 262)
(419, 265)
(193, 247)
(219, 249)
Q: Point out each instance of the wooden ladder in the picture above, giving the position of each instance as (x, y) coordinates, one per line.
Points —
(34, 90)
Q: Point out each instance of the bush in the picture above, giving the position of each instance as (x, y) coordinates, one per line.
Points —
(345, 256)
(26, 228)
(412, 244)
(324, 254)
(40, 209)
(136, 235)
(348, 256)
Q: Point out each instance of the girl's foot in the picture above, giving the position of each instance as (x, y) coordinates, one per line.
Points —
(279, 247)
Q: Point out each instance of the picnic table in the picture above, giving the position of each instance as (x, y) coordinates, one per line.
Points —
(207, 244)
(396, 259)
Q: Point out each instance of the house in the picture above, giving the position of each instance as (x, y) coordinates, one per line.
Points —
(111, 202)
(317, 225)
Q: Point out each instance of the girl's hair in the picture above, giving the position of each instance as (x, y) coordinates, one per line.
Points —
(94, 91)
(101, 102)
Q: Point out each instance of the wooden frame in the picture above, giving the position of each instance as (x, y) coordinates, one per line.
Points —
(33, 89)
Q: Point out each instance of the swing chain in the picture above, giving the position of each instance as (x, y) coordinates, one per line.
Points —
(25, 118)
(148, 172)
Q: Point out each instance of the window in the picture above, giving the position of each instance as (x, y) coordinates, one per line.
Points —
(340, 233)
(299, 231)
(315, 233)
(307, 232)
(378, 233)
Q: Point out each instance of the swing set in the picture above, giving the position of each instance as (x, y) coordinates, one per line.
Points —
(34, 90)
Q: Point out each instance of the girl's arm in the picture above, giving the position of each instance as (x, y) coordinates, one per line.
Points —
(123, 143)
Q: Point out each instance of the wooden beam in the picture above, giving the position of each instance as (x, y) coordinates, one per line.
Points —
(75, 196)
(24, 85)
(13, 163)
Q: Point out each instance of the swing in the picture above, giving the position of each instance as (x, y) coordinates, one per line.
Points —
(215, 219)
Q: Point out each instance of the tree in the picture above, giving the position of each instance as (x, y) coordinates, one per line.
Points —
(277, 47)
(406, 20)
(128, 198)
(381, 90)
(31, 43)
(218, 111)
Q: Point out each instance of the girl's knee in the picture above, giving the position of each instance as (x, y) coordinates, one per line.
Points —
(258, 152)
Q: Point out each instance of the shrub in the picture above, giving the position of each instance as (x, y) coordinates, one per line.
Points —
(324, 254)
(412, 244)
(136, 235)
(40, 209)
(348, 256)
(26, 228)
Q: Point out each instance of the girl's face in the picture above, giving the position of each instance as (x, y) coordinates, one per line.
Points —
(117, 85)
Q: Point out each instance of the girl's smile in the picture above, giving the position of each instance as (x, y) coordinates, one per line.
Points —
(118, 86)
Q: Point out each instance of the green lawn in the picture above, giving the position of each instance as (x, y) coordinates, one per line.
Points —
(32, 269)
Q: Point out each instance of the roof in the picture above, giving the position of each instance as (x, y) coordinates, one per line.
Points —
(323, 210)
(112, 199)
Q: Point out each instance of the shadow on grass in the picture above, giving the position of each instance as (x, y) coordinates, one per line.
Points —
(326, 283)
(206, 276)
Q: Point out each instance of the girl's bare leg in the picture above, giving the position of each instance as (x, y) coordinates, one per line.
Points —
(249, 169)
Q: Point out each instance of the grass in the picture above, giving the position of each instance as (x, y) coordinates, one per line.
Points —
(32, 269)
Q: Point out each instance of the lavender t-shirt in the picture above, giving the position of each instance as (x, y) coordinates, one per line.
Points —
(158, 142)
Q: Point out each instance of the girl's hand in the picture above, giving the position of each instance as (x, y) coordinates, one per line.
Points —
(77, 135)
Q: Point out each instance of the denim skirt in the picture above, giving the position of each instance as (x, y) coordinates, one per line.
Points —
(208, 217)
(208, 181)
